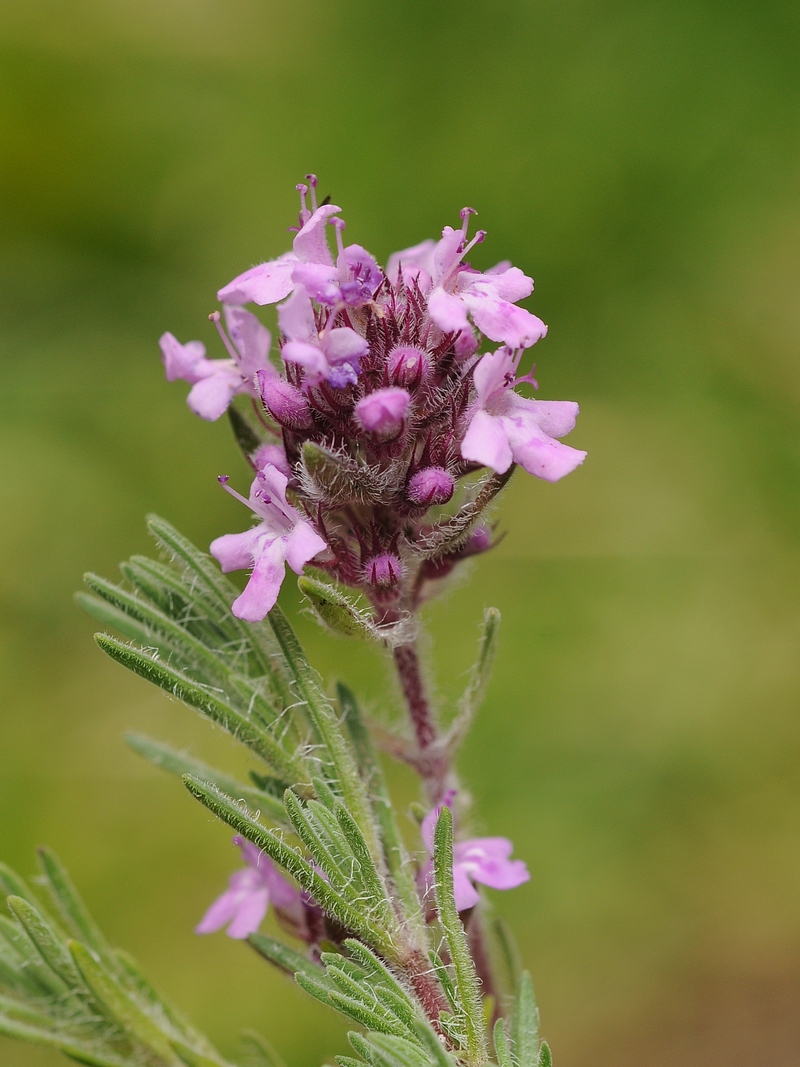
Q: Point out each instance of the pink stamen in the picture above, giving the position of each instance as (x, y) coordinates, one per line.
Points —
(223, 481)
(305, 214)
(215, 317)
(339, 225)
(465, 214)
(312, 181)
(478, 239)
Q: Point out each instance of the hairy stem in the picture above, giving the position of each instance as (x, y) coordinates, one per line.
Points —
(431, 761)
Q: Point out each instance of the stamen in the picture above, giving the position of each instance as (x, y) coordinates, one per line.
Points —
(465, 214)
(479, 238)
(339, 225)
(223, 481)
(305, 214)
(215, 317)
(312, 181)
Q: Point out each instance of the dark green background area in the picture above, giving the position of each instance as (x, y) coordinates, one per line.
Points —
(641, 738)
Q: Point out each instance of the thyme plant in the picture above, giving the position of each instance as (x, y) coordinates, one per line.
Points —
(379, 433)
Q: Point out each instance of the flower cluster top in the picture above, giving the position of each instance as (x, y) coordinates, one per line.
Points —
(381, 433)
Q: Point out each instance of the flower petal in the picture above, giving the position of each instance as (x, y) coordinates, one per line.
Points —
(296, 317)
(556, 418)
(302, 544)
(447, 311)
(503, 321)
(486, 442)
(234, 552)
(250, 914)
(308, 356)
(310, 245)
(467, 896)
(221, 912)
(491, 373)
(502, 874)
(344, 344)
(320, 280)
(412, 261)
(508, 283)
(211, 396)
(535, 451)
(252, 340)
(186, 362)
(265, 284)
(261, 592)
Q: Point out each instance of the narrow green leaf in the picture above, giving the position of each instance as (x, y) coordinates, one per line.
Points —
(192, 1058)
(545, 1056)
(71, 908)
(46, 940)
(115, 619)
(389, 1050)
(69, 1046)
(213, 707)
(368, 874)
(478, 680)
(137, 1025)
(19, 1011)
(373, 1018)
(502, 1050)
(294, 864)
(323, 851)
(328, 729)
(208, 576)
(394, 850)
(349, 1061)
(445, 980)
(525, 1024)
(259, 1051)
(166, 757)
(466, 979)
(11, 885)
(246, 437)
(333, 609)
(285, 958)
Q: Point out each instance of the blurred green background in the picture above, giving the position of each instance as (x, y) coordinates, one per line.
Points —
(641, 739)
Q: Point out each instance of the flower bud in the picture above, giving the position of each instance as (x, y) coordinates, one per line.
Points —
(431, 485)
(286, 404)
(407, 366)
(383, 413)
(384, 570)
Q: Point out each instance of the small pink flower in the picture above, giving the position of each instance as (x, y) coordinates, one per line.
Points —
(283, 536)
(457, 293)
(215, 382)
(481, 859)
(334, 355)
(244, 904)
(507, 428)
(351, 280)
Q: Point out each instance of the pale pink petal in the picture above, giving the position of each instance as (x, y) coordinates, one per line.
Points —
(307, 355)
(344, 344)
(466, 894)
(536, 452)
(296, 317)
(478, 849)
(556, 418)
(486, 442)
(186, 362)
(273, 481)
(252, 341)
(491, 374)
(302, 544)
(320, 280)
(501, 874)
(250, 914)
(261, 592)
(310, 244)
(445, 255)
(502, 321)
(447, 311)
(507, 284)
(221, 912)
(210, 397)
(274, 455)
(234, 552)
(428, 826)
(418, 258)
(265, 284)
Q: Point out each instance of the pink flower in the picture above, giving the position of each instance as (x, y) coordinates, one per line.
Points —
(351, 280)
(507, 428)
(283, 536)
(244, 904)
(456, 292)
(480, 859)
(215, 382)
(334, 355)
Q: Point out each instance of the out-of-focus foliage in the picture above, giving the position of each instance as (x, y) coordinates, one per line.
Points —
(640, 738)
